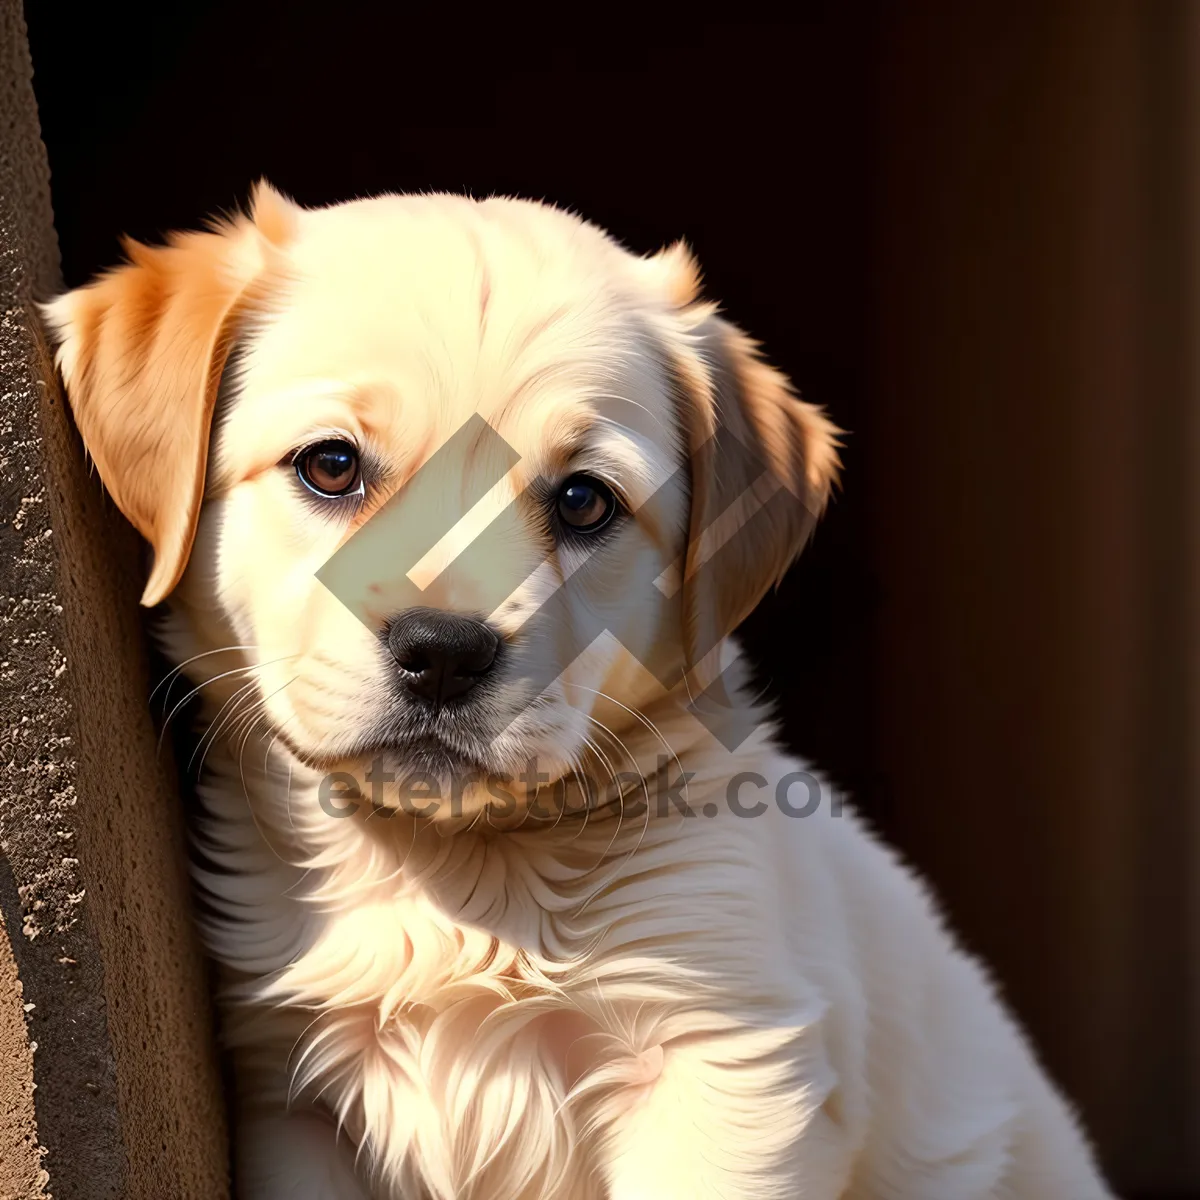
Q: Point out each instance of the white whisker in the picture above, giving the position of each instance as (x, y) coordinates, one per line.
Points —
(654, 729)
(174, 671)
(209, 682)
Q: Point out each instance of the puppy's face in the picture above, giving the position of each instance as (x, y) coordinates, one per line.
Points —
(470, 482)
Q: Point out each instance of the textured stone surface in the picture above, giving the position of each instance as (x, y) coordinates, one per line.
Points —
(104, 969)
(21, 1172)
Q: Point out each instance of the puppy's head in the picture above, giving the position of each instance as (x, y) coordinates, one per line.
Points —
(468, 479)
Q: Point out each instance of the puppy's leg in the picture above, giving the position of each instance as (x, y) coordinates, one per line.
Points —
(1049, 1157)
(282, 1156)
(715, 1126)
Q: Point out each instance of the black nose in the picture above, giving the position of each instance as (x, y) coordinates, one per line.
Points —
(441, 655)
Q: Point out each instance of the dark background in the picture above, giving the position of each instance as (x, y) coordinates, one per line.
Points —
(962, 228)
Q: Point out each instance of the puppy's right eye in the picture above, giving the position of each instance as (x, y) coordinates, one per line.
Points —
(329, 468)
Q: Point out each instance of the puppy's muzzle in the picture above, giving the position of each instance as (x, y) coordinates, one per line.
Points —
(441, 655)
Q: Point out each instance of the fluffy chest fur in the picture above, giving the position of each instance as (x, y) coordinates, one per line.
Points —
(483, 1012)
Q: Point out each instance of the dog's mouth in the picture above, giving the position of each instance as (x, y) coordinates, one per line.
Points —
(427, 761)
(437, 747)
(428, 756)
(448, 746)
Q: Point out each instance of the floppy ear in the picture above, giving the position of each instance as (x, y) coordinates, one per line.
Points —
(762, 464)
(141, 350)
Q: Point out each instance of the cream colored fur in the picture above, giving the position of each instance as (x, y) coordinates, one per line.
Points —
(627, 1005)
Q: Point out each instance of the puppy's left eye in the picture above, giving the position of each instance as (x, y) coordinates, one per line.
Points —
(329, 468)
(586, 504)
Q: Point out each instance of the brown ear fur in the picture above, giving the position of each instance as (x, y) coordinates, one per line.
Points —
(762, 466)
(141, 350)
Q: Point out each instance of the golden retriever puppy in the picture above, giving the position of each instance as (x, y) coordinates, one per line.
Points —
(454, 505)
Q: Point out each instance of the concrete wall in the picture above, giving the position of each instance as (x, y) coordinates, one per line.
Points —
(108, 1082)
